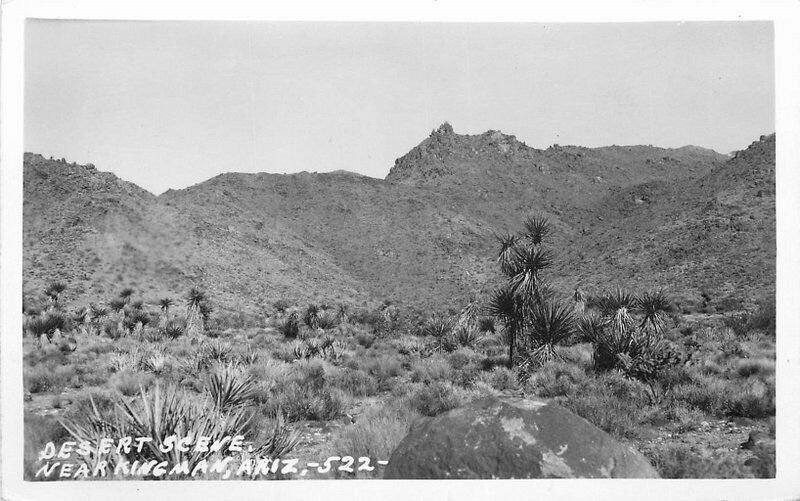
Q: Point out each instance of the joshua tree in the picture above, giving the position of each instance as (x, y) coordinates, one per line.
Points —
(522, 259)
(508, 307)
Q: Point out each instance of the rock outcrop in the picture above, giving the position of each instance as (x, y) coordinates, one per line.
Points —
(512, 438)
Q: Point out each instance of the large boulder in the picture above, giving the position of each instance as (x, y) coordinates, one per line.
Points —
(513, 438)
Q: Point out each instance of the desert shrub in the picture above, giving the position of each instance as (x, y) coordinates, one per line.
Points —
(130, 383)
(435, 398)
(354, 382)
(383, 369)
(679, 461)
(706, 393)
(609, 401)
(281, 305)
(489, 363)
(375, 435)
(290, 327)
(755, 367)
(762, 319)
(43, 378)
(310, 374)
(755, 400)
(365, 340)
(500, 378)
(462, 357)
(430, 369)
(300, 402)
(38, 431)
(466, 375)
(371, 318)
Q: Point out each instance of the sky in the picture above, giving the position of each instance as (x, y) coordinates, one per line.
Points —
(171, 104)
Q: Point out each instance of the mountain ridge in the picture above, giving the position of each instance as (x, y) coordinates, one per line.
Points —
(421, 235)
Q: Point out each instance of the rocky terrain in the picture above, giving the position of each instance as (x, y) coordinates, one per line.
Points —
(688, 219)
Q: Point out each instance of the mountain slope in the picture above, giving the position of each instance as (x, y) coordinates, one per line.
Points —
(639, 215)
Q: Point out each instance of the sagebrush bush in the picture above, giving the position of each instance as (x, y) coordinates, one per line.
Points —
(500, 378)
(435, 398)
(431, 369)
(354, 382)
(43, 379)
(375, 434)
(130, 383)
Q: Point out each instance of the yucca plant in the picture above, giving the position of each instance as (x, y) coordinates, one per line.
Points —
(80, 316)
(506, 257)
(654, 308)
(160, 413)
(468, 317)
(97, 312)
(173, 329)
(290, 327)
(165, 303)
(549, 324)
(525, 274)
(117, 305)
(46, 325)
(437, 326)
(195, 297)
(487, 324)
(137, 318)
(467, 337)
(342, 314)
(311, 316)
(194, 316)
(537, 228)
(54, 290)
(125, 294)
(218, 350)
(229, 391)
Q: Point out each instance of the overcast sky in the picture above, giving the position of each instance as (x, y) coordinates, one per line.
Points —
(171, 104)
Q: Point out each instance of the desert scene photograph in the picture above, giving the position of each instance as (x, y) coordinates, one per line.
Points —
(336, 250)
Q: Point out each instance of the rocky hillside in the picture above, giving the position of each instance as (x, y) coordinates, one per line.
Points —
(686, 218)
